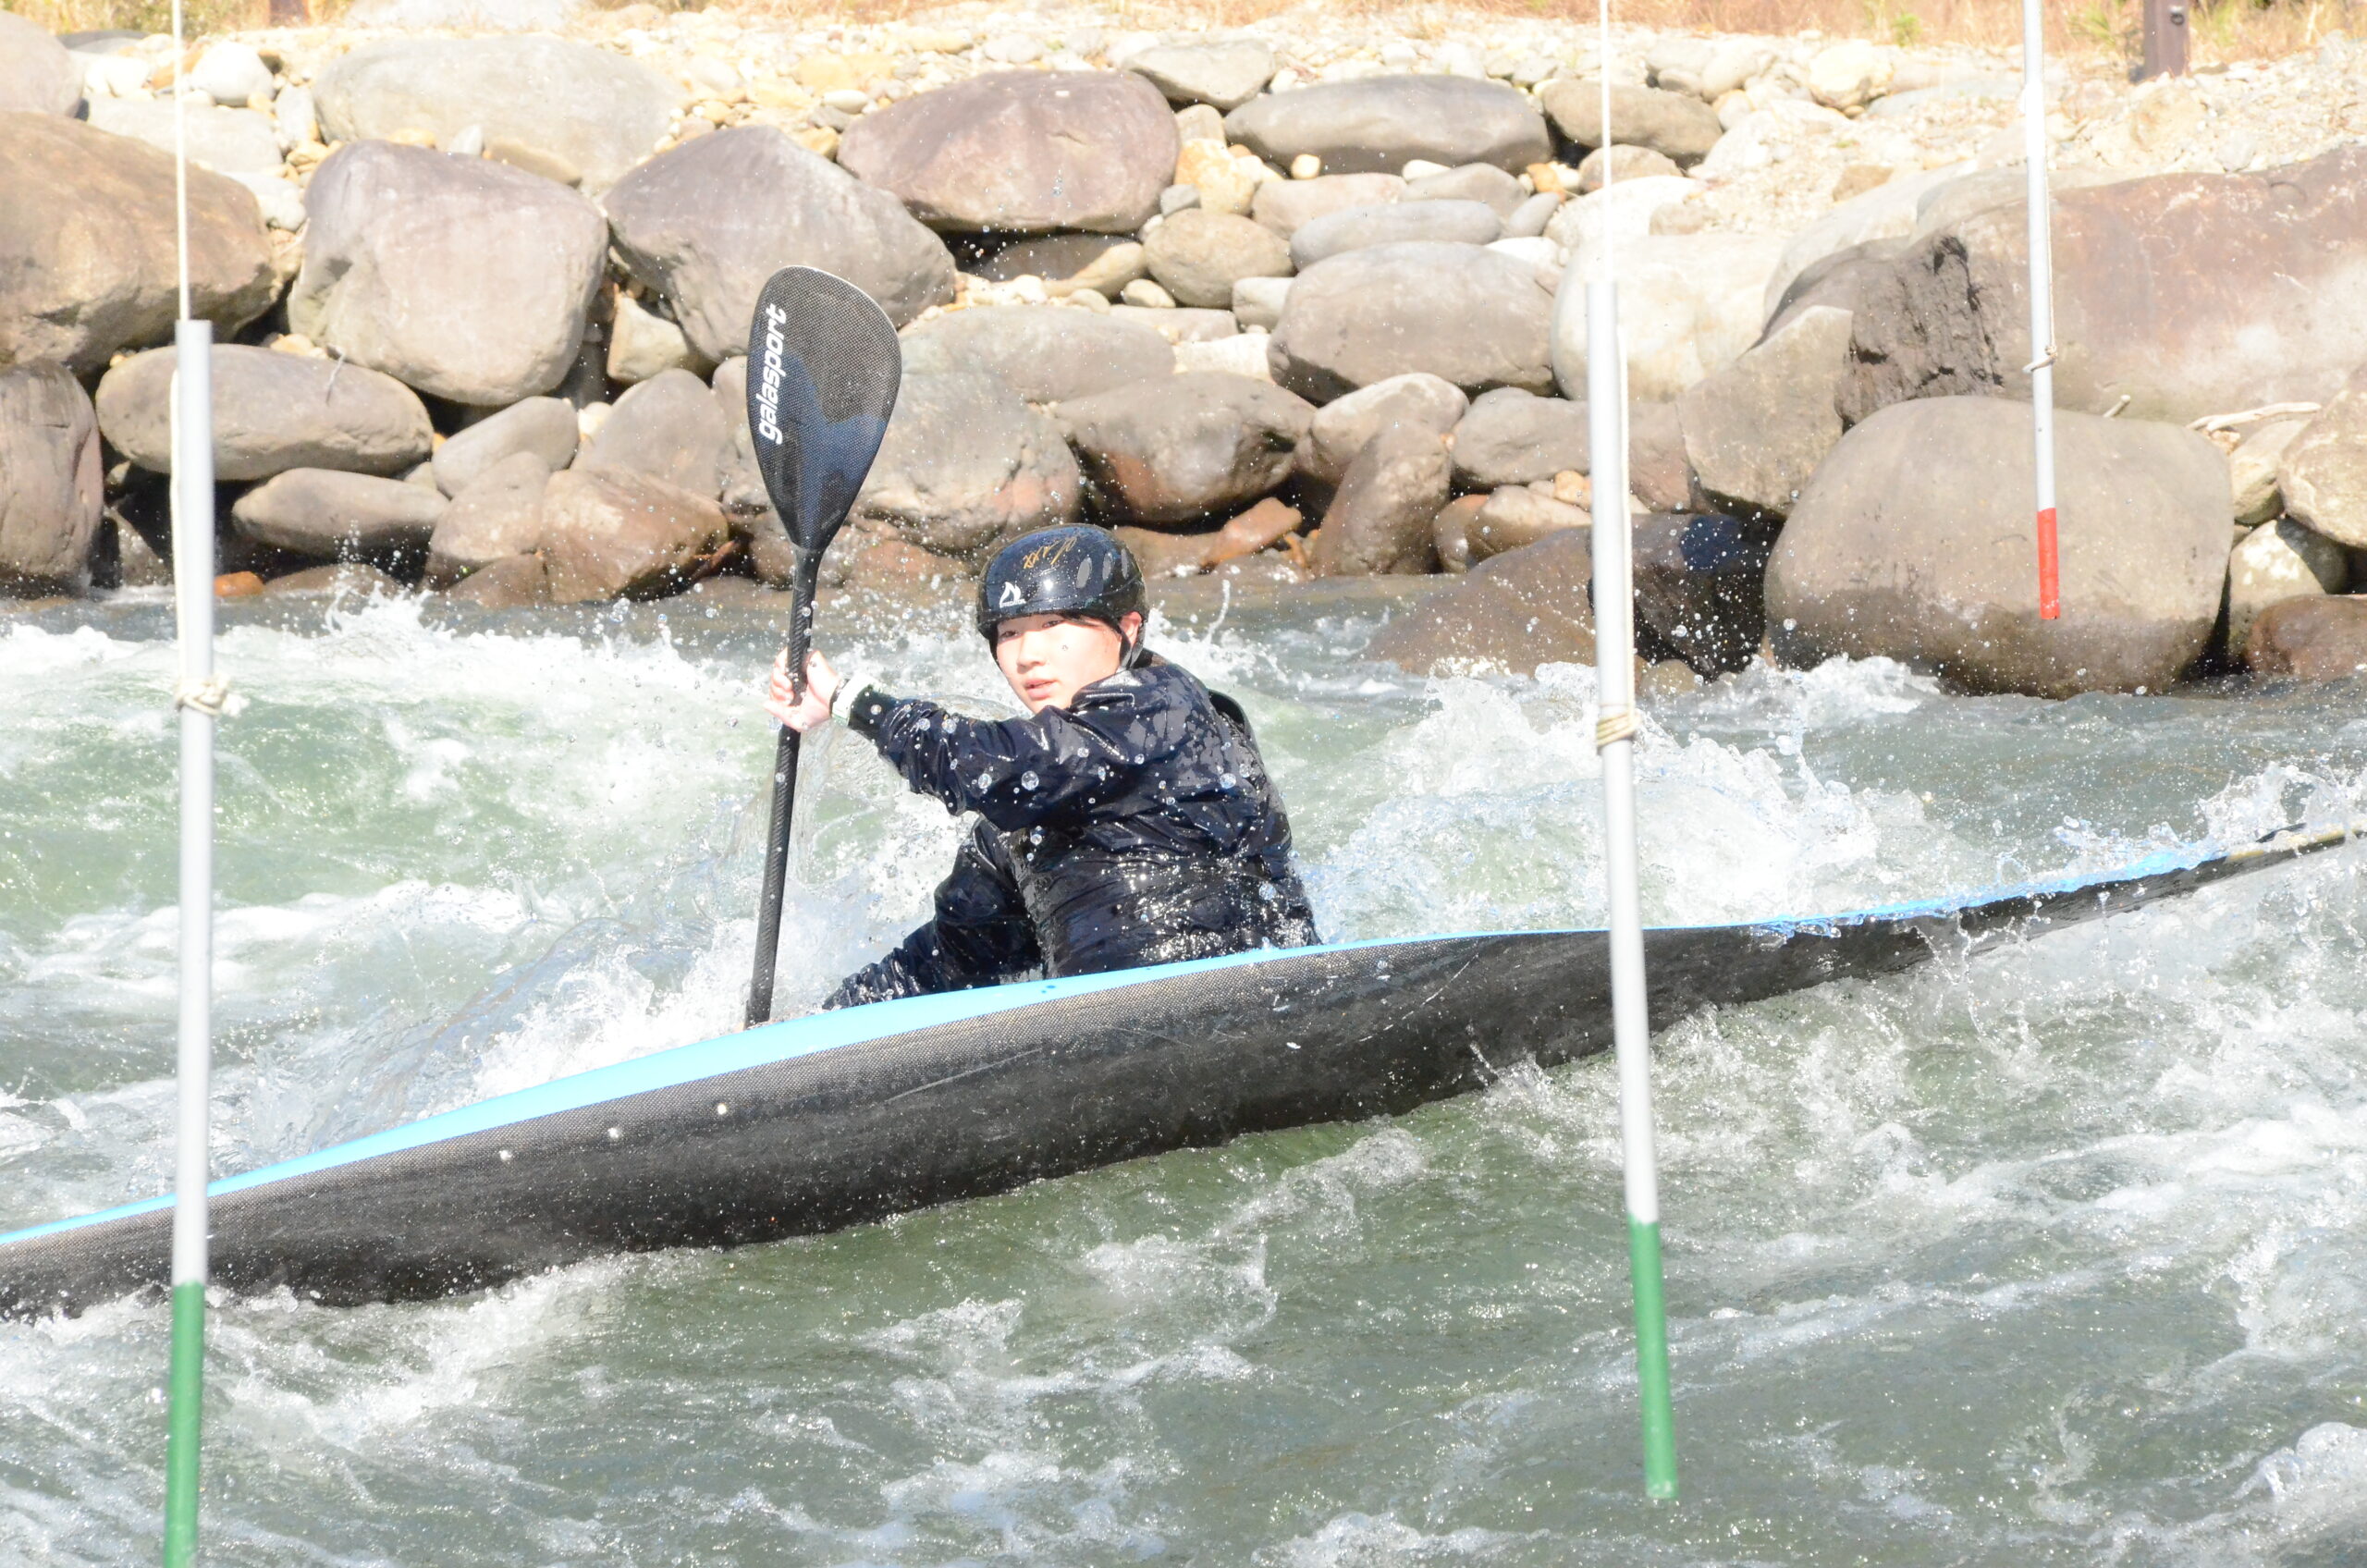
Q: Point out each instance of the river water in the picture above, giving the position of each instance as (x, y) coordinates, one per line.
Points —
(2053, 1256)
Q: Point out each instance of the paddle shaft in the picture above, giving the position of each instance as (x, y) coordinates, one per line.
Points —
(801, 637)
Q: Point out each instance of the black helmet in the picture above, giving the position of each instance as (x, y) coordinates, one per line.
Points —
(1077, 571)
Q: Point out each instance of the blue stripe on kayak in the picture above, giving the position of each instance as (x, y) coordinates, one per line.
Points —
(795, 1038)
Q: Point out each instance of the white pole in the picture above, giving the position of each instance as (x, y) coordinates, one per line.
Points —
(1614, 645)
(2042, 365)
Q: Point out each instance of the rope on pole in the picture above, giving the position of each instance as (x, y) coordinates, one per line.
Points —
(1615, 610)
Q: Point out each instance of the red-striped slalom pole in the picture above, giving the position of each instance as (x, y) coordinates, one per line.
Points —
(2042, 366)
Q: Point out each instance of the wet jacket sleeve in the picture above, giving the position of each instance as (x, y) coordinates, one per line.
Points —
(1016, 772)
(981, 935)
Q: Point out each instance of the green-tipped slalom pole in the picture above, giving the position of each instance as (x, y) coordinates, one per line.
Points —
(1615, 614)
(198, 699)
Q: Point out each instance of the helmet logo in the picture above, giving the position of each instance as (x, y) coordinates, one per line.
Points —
(1011, 595)
(1045, 556)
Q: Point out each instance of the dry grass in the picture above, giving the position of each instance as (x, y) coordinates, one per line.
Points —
(2095, 30)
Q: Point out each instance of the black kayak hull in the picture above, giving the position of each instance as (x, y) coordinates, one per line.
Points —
(844, 1118)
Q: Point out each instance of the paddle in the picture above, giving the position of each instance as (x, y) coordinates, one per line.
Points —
(822, 367)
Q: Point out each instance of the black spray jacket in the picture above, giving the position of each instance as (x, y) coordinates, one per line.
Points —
(1136, 826)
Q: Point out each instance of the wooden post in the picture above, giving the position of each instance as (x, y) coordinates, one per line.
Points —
(2165, 36)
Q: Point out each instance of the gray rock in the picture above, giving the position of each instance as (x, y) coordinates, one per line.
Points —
(1046, 356)
(2280, 561)
(1257, 302)
(1887, 212)
(609, 533)
(230, 73)
(1623, 162)
(1517, 611)
(1380, 523)
(1530, 219)
(598, 112)
(1833, 282)
(967, 467)
(1191, 447)
(2323, 474)
(544, 426)
(706, 223)
(1913, 543)
(52, 489)
(1484, 183)
(498, 513)
(1198, 256)
(670, 427)
(1288, 205)
(1675, 125)
(1023, 151)
(1178, 199)
(1381, 123)
(461, 278)
(1512, 436)
(1755, 430)
(2256, 293)
(2313, 638)
(2253, 469)
(512, 583)
(1184, 325)
(642, 345)
(1055, 258)
(37, 75)
(329, 515)
(231, 142)
(1340, 429)
(1227, 74)
(1658, 476)
(1700, 585)
(87, 246)
(338, 580)
(271, 412)
(1515, 517)
(1439, 222)
(1465, 314)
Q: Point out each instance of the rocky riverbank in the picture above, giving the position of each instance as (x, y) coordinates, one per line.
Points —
(1299, 302)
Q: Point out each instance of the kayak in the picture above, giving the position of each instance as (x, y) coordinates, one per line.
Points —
(811, 1124)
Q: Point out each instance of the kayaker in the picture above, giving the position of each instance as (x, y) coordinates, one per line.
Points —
(1127, 820)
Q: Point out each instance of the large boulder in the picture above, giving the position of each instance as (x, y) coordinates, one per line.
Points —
(2313, 639)
(1834, 281)
(1511, 436)
(1288, 205)
(609, 533)
(37, 76)
(1227, 73)
(232, 141)
(1914, 542)
(1515, 517)
(1380, 523)
(498, 514)
(1465, 314)
(1024, 152)
(1340, 429)
(1381, 123)
(1198, 256)
(1394, 223)
(545, 426)
(1688, 304)
(460, 276)
(670, 427)
(329, 515)
(87, 245)
(1890, 210)
(1046, 356)
(1700, 585)
(966, 466)
(2184, 294)
(581, 109)
(52, 493)
(271, 412)
(1173, 451)
(2280, 561)
(1755, 430)
(1675, 125)
(706, 223)
(2323, 474)
(1519, 610)
(1484, 183)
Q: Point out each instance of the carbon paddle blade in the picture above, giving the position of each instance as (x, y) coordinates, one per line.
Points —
(823, 369)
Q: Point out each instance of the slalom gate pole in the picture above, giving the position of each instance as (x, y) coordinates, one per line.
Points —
(1614, 645)
(198, 699)
(2042, 366)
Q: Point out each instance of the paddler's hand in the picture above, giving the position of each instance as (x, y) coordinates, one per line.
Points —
(804, 709)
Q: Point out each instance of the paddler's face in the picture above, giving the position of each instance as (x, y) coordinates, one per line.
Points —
(1049, 658)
